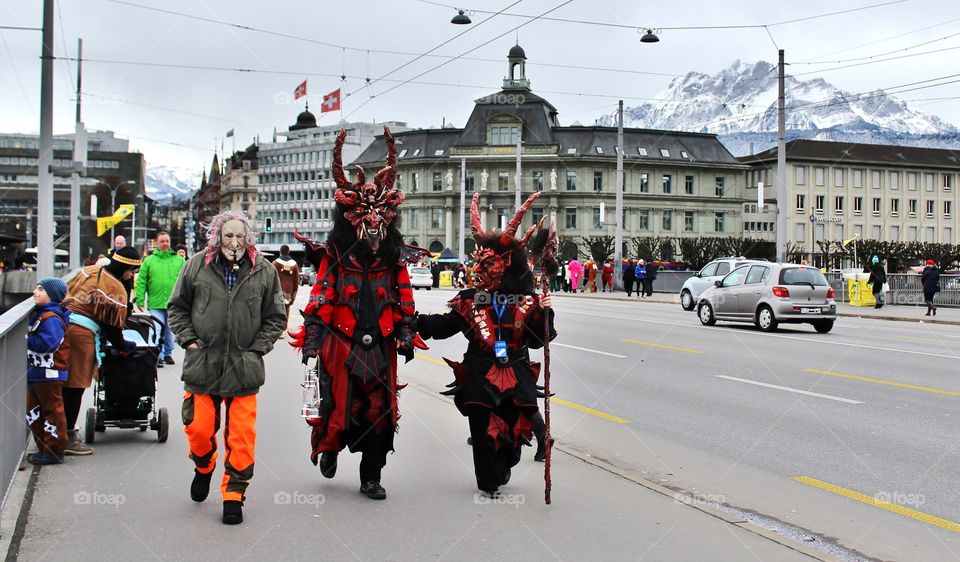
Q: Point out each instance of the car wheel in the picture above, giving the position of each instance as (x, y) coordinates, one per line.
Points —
(705, 313)
(428, 288)
(686, 300)
(765, 319)
(823, 326)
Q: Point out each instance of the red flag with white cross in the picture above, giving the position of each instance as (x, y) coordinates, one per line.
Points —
(331, 101)
(301, 90)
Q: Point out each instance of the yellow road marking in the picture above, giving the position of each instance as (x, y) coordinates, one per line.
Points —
(891, 507)
(661, 346)
(887, 383)
(553, 400)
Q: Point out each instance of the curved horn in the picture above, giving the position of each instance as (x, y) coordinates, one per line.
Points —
(361, 177)
(527, 235)
(475, 225)
(387, 175)
(338, 175)
(517, 218)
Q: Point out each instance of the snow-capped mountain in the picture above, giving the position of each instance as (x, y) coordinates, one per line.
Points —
(165, 183)
(740, 105)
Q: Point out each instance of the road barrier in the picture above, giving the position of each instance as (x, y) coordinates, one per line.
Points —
(906, 289)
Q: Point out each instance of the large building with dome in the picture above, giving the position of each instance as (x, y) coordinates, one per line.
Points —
(676, 184)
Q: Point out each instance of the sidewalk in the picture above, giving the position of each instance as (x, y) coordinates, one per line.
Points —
(949, 316)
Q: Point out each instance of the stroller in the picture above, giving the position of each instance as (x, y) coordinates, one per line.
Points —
(124, 394)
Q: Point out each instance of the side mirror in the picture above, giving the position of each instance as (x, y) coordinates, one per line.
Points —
(718, 283)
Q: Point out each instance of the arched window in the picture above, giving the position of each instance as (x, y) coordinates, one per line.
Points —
(436, 247)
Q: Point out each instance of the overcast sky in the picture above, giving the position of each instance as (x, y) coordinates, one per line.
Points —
(175, 116)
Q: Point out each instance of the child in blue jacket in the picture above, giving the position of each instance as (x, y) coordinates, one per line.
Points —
(47, 370)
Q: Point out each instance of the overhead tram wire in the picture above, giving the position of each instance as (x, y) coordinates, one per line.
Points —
(870, 57)
(180, 111)
(882, 40)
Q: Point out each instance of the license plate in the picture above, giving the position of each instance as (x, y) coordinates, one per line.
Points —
(810, 311)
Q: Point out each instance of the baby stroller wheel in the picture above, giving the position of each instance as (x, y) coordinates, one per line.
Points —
(90, 426)
(163, 425)
(143, 428)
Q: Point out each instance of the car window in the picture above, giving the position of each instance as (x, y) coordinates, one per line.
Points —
(802, 276)
(420, 271)
(735, 277)
(758, 274)
(709, 270)
(723, 268)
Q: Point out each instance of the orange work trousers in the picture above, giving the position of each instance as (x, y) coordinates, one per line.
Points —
(201, 422)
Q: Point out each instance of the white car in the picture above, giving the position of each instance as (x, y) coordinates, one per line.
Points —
(420, 277)
(706, 277)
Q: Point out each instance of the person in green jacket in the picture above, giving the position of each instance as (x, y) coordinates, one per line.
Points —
(158, 275)
(227, 312)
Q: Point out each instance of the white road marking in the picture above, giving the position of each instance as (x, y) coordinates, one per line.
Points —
(555, 344)
(788, 389)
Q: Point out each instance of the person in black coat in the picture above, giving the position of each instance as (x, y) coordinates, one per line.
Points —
(435, 275)
(629, 276)
(931, 285)
(877, 278)
(651, 277)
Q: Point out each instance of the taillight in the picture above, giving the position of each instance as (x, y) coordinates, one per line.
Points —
(781, 292)
(830, 293)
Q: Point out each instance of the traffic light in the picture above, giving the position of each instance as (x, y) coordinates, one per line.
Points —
(268, 224)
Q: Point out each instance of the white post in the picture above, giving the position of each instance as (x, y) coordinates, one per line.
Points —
(461, 248)
(45, 157)
(79, 156)
(782, 192)
(618, 235)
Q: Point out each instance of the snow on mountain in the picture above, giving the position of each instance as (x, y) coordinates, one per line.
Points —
(165, 183)
(740, 102)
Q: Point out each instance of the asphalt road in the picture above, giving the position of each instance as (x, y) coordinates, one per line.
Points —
(703, 416)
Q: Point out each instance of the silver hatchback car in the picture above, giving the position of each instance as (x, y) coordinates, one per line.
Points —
(771, 294)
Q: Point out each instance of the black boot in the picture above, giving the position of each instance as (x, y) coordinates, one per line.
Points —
(541, 454)
(328, 464)
(232, 512)
(200, 487)
(373, 490)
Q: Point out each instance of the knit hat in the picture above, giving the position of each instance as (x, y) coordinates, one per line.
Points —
(55, 288)
(123, 259)
(875, 259)
(929, 262)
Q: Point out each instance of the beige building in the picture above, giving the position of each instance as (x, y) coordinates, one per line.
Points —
(880, 192)
(675, 184)
(238, 184)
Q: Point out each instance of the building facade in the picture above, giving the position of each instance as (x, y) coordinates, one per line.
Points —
(294, 179)
(676, 184)
(238, 191)
(839, 191)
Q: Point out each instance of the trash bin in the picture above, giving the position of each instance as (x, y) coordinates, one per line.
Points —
(860, 293)
(446, 279)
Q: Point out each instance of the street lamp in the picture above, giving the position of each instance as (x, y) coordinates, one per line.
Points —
(113, 200)
(649, 36)
(461, 18)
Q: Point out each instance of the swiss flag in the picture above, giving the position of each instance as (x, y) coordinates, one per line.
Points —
(331, 101)
(300, 91)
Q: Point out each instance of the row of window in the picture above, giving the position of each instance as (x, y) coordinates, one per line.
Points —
(57, 162)
(505, 182)
(287, 177)
(878, 178)
(819, 202)
(297, 157)
(909, 233)
(412, 219)
(302, 214)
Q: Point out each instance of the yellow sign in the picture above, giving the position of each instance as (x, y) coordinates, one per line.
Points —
(106, 223)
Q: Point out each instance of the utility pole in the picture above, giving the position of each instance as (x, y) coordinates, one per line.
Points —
(618, 236)
(782, 192)
(461, 249)
(79, 160)
(45, 157)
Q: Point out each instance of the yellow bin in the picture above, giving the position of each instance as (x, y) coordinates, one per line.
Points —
(446, 279)
(861, 294)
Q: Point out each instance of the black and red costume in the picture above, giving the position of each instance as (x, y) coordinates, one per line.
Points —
(360, 315)
(497, 392)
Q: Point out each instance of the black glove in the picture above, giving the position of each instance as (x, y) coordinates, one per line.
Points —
(314, 333)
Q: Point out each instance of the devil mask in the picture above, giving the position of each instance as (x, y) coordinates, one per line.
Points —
(496, 251)
(370, 207)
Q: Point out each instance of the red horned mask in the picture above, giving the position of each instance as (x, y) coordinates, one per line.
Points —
(491, 266)
(370, 207)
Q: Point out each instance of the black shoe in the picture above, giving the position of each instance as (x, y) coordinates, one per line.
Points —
(373, 490)
(168, 360)
(232, 512)
(541, 454)
(469, 440)
(328, 464)
(506, 478)
(200, 488)
(159, 364)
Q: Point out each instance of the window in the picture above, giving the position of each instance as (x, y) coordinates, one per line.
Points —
(538, 180)
(858, 178)
(799, 174)
(928, 182)
(503, 181)
(599, 150)
(437, 181)
(947, 182)
(471, 178)
(912, 207)
(947, 207)
(718, 221)
(818, 231)
(718, 186)
(570, 217)
(818, 203)
(535, 215)
(683, 154)
(930, 235)
(666, 220)
(688, 221)
(876, 177)
(948, 235)
(414, 181)
(818, 174)
(688, 185)
(403, 153)
(757, 274)
(911, 181)
(438, 152)
(895, 233)
(931, 207)
(666, 183)
(596, 218)
(838, 204)
(877, 233)
(571, 181)
(436, 218)
(894, 207)
(572, 150)
(641, 151)
(665, 153)
(416, 152)
(801, 202)
(643, 219)
(503, 135)
(838, 177)
(877, 205)
(644, 183)
(598, 181)
(414, 218)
